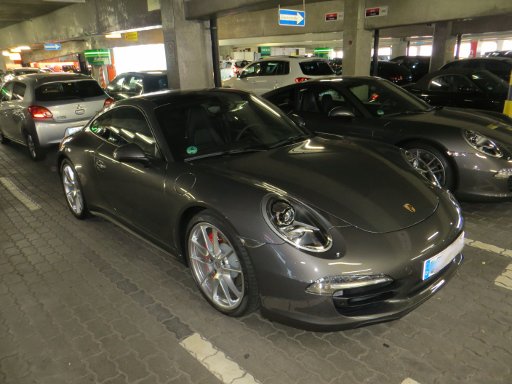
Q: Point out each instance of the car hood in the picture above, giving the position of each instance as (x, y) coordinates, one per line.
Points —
(339, 177)
(490, 124)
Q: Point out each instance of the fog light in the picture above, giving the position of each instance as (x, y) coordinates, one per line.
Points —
(504, 173)
(329, 285)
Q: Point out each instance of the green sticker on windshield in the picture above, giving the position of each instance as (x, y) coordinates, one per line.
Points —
(380, 112)
(191, 150)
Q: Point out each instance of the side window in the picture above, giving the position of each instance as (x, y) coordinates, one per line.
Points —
(251, 70)
(6, 92)
(451, 83)
(18, 91)
(331, 98)
(117, 84)
(322, 100)
(104, 127)
(284, 100)
(308, 101)
(135, 85)
(274, 68)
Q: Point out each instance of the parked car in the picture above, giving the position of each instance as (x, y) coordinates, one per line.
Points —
(499, 53)
(309, 227)
(387, 70)
(467, 152)
(274, 72)
(38, 110)
(131, 84)
(500, 66)
(418, 65)
(12, 73)
(465, 88)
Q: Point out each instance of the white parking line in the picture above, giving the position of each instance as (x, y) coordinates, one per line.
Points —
(215, 361)
(505, 279)
(19, 194)
(489, 247)
(409, 381)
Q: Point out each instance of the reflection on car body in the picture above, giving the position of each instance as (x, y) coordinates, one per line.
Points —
(258, 211)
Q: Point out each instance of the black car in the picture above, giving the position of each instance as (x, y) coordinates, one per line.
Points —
(387, 70)
(467, 152)
(418, 65)
(258, 211)
(500, 66)
(131, 84)
(464, 88)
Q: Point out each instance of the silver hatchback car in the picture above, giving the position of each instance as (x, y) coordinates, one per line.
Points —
(38, 110)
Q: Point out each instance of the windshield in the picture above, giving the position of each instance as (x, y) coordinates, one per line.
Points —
(489, 82)
(382, 98)
(219, 122)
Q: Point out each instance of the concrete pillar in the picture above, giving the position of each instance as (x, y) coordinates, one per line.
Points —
(499, 45)
(357, 42)
(187, 48)
(399, 47)
(443, 45)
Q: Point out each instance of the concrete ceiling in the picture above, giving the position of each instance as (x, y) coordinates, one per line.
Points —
(16, 11)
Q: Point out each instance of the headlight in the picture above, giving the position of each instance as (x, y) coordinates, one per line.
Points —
(482, 144)
(296, 224)
(336, 284)
(420, 166)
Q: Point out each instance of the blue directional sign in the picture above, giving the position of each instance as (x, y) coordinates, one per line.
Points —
(52, 46)
(292, 18)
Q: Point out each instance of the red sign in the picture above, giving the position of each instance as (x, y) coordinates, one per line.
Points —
(376, 11)
(474, 46)
(331, 16)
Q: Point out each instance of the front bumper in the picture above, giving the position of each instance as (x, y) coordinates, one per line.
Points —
(479, 177)
(284, 273)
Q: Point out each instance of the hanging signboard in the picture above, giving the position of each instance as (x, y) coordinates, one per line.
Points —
(292, 18)
(131, 36)
(98, 56)
(334, 16)
(376, 11)
(52, 46)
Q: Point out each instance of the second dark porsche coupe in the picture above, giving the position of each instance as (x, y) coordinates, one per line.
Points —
(322, 232)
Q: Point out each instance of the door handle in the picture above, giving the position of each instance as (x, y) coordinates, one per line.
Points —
(100, 165)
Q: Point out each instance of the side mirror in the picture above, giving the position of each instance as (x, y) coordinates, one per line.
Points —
(130, 153)
(341, 112)
(297, 120)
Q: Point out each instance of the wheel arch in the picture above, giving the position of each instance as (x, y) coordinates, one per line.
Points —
(181, 228)
(437, 145)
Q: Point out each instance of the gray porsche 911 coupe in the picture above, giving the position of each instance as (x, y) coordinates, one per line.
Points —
(468, 151)
(320, 232)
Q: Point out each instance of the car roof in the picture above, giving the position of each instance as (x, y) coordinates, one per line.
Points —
(47, 77)
(284, 57)
(491, 58)
(146, 72)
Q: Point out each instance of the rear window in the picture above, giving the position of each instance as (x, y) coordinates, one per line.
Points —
(66, 90)
(316, 68)
(156, 83)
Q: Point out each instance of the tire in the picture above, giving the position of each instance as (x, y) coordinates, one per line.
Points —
(227, 281)
(73, 192)
(35, 151)
(3, 139)
(426, 158)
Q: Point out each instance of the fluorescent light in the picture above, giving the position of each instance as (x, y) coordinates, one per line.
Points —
(114, 35)
(15, 50)
(23, 48)
(6, 53)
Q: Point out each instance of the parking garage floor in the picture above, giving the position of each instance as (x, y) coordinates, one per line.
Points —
(86, 302)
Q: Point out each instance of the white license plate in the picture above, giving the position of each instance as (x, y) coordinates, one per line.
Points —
(443, 258)
(71, 130)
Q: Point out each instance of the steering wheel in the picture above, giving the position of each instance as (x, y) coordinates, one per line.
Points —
(245, 129)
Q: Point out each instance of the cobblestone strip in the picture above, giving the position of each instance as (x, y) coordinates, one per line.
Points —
(489, 247)
(20, 195)
(505, 279)
(216, 361)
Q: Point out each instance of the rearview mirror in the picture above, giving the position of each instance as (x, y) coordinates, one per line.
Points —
(130, 153)
(297, 120)
(341, 112)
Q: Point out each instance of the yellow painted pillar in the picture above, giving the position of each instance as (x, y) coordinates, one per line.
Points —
(507, 110)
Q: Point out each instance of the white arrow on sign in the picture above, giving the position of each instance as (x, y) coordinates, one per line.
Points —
(297, 18)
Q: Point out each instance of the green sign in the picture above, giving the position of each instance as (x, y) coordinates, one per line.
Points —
(264, 51)
(322, 52)
(98, 56)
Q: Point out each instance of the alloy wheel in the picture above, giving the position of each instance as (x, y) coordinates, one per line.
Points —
(428, 164)
(216, 266)
(72, 189)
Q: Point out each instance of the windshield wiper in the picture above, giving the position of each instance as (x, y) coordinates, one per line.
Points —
(229, 152)
(290, 140)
